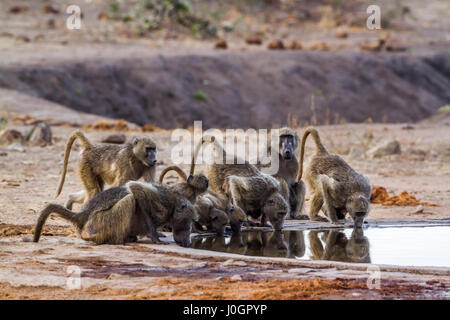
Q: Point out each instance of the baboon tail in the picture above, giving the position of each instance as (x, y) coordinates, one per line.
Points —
(84, 142)
(196, 151)
(320, 149)
(177, 169)
(53, 208)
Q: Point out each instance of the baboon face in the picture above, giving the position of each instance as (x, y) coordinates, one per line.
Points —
(237, 218)
(275, 210)
(199, 182)
(357, 248)
(145, 150)
(219, 220)
(288, 145)
(358, 207)
(183, 217)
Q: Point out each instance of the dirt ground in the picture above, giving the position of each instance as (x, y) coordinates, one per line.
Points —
(72, 79)
(145, 271)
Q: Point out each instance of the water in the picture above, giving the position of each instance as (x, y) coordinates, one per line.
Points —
(403, 246)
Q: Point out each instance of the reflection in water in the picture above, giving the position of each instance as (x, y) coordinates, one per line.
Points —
(323, 245)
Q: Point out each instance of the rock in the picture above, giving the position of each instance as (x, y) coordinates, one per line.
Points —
(240, 263)
(200, 265)
(18, 9)
(416, 154)
(372, 45)
(102, 16)
(276, 45)
(116, 138)
(221, 44)
(9, 136)
(408, 127)
(236, 277)
(385, 149)
(23, 38)
(228, 26)
(16, 146)
(49, 9)
(3, 154)
(228, 262)
(254, 40)
(318, 45)
(295, 45)
(394, 45)
(232, 262)
(40, 135)
(419, 209)
(341, 34)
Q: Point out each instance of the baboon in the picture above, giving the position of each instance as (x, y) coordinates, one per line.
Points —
(258, 194)
(108, 163)
(192, 185)
(338, 247)
(209, 216)
(235, 213)
(287, 171)
(335, 185)
(121, 214)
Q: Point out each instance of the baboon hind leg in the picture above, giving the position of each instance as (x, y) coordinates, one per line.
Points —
(316, 204)
(112, 226)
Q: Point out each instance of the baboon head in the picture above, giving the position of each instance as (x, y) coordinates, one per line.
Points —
(199, 182)
(182, 219)
(218, 221)
(274, 244)
(145, 150)
(275, 209)
(288, 143)
(358, 247)
(358, 207)
(237, 217)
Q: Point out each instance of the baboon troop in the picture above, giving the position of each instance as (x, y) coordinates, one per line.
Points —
(233, 195)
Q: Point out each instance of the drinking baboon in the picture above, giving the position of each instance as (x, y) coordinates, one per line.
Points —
(120, 214)
(334, 185)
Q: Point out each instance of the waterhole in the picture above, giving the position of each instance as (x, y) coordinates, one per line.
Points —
(403, 246)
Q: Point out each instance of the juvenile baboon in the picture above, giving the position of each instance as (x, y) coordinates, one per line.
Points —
(109, 163)
(192, 185)
(235, 213)
(209, 216)
(258, 194)
(335, 185)
(120, 214)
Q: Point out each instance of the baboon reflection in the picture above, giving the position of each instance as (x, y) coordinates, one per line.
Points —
(338, 247)
(269, 244)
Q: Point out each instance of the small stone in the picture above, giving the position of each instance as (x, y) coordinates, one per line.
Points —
(3, 154)
(221, 44)
(228, 26)
(295, 45)
(276, 45)
(39, 135)
(318, 46)
(372, 45)
(200, 265)
(341, 34)
(408, 127)
(49, 9)
(16, 146)
(418, 210)
(254, 40)
(116, 138)
(236, 277)
(18, 9)
(388, 148)
(228, 262)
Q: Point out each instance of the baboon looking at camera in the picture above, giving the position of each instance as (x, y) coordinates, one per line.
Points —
(109, 163)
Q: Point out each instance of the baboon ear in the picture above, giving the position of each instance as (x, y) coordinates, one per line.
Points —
(135, 141)
(189, 179)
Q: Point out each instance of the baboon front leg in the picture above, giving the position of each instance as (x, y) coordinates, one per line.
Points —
(151, 230)
(328, 207)
(316, 204)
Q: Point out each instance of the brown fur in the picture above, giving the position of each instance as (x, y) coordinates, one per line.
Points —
(258, 194)
(108, 163)
(121, 214)
(334, 184)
